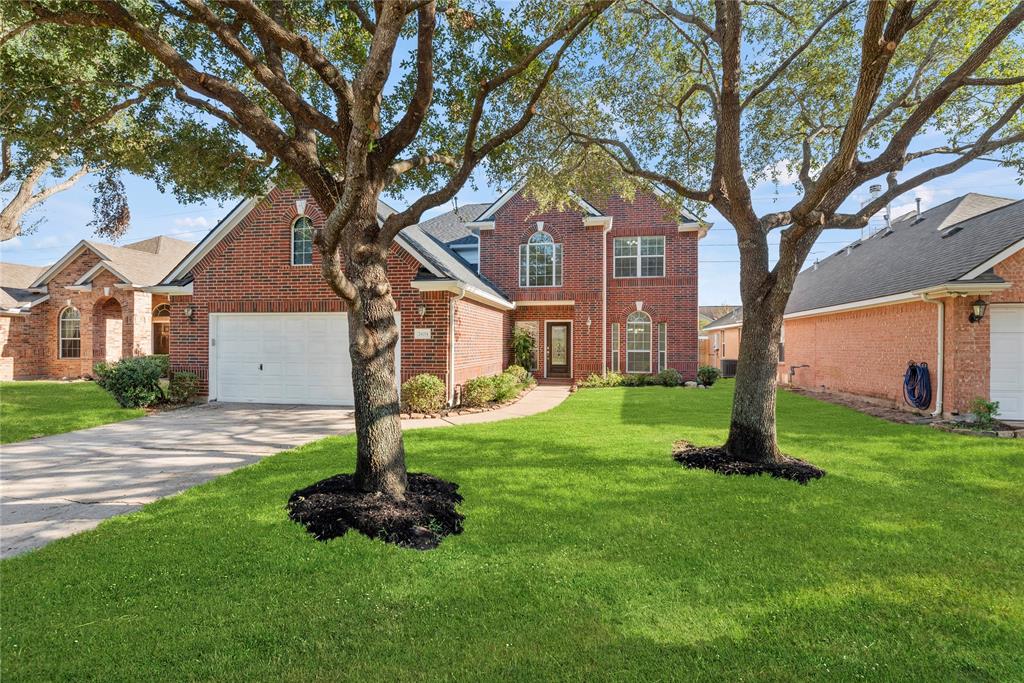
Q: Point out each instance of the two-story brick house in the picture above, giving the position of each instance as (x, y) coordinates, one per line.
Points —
(609, 288)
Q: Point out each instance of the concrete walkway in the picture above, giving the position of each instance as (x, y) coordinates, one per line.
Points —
(58, 485)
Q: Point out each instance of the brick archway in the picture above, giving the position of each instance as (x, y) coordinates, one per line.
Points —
(107, 331)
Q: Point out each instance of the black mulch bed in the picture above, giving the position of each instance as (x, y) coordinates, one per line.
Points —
(329, 508)
(715, 458)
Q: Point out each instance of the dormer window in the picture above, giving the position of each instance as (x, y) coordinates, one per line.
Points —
(302, 241)
(540, 261)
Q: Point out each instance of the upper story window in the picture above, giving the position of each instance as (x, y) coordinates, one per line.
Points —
(302, 241)
(540, 261)
(638, 342)
(640, 256)
(70, 333)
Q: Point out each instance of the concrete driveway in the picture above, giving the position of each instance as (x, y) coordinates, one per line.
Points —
(59, 485)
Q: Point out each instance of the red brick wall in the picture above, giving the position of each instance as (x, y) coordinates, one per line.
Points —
(866, 352)
(251, 271)
(671, 299)
(31, 349)
(480, 334)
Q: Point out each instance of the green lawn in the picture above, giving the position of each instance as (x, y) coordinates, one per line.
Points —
(30, 409)
(588, 554)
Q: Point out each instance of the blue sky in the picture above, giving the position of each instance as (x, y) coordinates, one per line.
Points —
(65, 217)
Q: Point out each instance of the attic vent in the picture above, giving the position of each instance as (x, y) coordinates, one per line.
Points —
(885, 233)
(851, 247)
(951, 232)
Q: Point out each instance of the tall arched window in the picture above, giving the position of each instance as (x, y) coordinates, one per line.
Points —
(638, 342)
(540, 261)
(302, 241)
(69, 331)
(162, 329)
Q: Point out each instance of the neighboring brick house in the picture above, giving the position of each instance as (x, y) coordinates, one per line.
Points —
(254, 319)
(723, 336)
(908, 293)
(92, 305)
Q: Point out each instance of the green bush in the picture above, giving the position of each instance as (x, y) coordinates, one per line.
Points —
(164, 361)
(478, 391)
(183, 387)
(595, 381)
(519, 372)
(613, 379)
(707, 375)
(670, 377)
(985, 412)
(134, 382)
(523, 346)
(423, 394)
(100, 371)
(505, 387)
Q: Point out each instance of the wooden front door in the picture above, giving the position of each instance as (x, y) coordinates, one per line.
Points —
(559, 349)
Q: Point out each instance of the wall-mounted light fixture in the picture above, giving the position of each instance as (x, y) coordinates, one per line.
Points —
(978, 310)
(189, 311)
(422, 310)
(589, 323)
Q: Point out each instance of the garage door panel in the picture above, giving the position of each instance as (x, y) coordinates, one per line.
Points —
(304, 358)
(1007, 360)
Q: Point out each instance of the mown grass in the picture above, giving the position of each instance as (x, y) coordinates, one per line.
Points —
(31, 409)
(588, 554)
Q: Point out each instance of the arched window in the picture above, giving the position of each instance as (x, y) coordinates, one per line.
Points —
(540, 261)
(302, 241)
(638, 342)
(162, 329)
(162, 311)
(69, 331)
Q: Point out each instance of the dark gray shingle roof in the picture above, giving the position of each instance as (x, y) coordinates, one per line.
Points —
(733, 317)
(446, 262)
(944, 244)
(450, 227)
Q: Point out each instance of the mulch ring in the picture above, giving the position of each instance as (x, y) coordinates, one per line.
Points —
(715, 458)
(329, 508)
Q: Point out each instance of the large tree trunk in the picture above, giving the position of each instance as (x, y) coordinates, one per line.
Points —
(373, 336)
(752, 435)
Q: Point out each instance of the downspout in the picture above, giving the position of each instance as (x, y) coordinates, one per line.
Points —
(451, 344)
(604, 299)
(940, 342)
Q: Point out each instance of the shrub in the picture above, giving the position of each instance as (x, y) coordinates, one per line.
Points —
(523, 346)
(134, 382)
(505, 387)
(985, 412)
(670, 377)
(183, 387)
(100, 371)
(164, 361)
(478, 391)
(707, 375)
(634, 380)
(519, 372)
(612, 379)
(423, 394)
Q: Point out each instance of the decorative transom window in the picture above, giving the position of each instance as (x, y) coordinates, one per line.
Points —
(302, 241)
(70, 333)
(540, 261)
(162, 311)
(638, 342)
(640, 256)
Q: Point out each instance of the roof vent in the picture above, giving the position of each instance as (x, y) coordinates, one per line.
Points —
(951, 232)
(885, 233)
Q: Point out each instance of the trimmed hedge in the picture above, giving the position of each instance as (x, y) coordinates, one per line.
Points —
(478, 391)
(670, 377)
(423, 394)
(133, 382)
(707, 375)
(506, 387)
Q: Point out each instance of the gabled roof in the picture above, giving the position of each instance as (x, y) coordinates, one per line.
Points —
(140, 264)
(712, 313)
(450, 227)
(489, 211)
(733, 318)
(943, 245)
(15, 280)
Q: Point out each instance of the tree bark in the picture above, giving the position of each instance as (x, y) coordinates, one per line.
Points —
(373, 337)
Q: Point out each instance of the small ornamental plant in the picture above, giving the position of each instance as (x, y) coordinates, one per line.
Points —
(984, 412)
(707, 375)
(423, 394)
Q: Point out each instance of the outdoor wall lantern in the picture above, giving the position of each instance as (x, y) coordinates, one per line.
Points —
(422, 310)
(978, 310)
(189, 311)
(589, 323)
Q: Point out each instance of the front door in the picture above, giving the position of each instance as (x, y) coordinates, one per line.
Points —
(559, 349)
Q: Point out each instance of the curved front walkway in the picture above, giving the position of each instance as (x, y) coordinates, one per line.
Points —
(59, 485)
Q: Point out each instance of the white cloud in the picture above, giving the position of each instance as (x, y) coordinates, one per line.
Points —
(48, 242)
(189, 222)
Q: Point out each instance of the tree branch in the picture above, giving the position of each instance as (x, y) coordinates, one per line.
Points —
(412, 163)
(364, 19)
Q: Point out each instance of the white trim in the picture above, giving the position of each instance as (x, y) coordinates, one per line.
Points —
(1001, 256)
(102, 265)
(587, 206)
(956, 288)
(507, 195)
(455, 287)
(170, 290)
(404, 244)
(452, 301)
(662, 349)
(598, 222)
(553, 302)
(214, 237)
(572, 349)
(724, 327)
(616, 343)
(940, 342)
(650, 347)
(59, 265)
(60, 332)
(639, 255)
(80, 288)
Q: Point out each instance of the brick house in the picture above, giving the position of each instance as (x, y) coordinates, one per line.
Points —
(609, 288)
(92, 305)
(723, 335)
(913, 292)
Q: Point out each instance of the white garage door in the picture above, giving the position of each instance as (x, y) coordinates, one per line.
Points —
(1007, 379)
(281, 358)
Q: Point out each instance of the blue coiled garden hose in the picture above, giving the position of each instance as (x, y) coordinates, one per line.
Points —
(917, 385)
